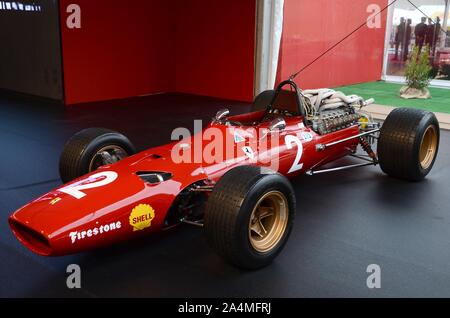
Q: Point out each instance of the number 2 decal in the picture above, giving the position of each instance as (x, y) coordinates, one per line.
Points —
(290, 142)
(75, 189)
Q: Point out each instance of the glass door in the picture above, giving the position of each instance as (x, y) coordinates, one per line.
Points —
(422, 24)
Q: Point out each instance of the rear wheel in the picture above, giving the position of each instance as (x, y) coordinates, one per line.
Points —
(408, 143)
(249, 216)
(90, 149)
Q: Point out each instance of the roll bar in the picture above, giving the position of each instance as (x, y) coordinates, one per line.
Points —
(301, 107)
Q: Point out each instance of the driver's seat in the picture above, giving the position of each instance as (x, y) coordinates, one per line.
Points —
(286, 100)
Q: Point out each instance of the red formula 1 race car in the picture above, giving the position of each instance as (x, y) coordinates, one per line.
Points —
(231, 178)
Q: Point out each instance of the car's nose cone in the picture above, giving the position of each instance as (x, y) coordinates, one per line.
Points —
(88, 207)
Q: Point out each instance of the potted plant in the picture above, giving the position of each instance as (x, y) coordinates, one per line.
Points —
(417, 75)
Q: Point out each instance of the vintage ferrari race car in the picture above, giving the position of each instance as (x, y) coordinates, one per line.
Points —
(232, 178)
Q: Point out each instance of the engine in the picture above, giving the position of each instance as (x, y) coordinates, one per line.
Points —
(329, 111)
(336, 119)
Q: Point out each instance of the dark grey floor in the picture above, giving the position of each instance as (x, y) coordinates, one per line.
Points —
(345, 220)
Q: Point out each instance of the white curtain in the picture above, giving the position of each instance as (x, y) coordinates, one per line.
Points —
(270, 28)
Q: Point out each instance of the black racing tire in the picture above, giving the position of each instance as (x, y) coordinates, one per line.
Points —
(232, 208)
(408, 143)
(263, 100)
(80, 150)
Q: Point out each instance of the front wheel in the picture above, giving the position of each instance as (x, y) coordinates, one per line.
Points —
(249, 216)
(408, 143)
(90, 149)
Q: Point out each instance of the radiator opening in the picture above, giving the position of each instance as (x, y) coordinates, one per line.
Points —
(34, 240)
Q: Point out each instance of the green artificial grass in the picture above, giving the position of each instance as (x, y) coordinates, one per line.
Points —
(388, 94)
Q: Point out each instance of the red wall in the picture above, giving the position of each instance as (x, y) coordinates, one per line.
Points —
(130, 48)
(206, 47)
(124, 48)
(311, 27)
(215, 43)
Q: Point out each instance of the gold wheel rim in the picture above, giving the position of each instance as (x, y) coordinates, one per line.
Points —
(428, 147)
(268, 221)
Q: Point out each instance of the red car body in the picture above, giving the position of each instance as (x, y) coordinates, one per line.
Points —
(114, 204)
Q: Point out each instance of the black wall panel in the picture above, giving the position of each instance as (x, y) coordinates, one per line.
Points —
(30, 51)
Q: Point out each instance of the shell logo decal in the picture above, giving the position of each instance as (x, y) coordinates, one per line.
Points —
(141, 217)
